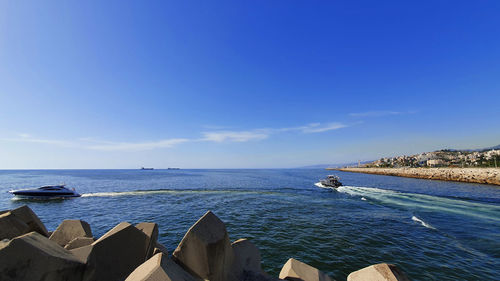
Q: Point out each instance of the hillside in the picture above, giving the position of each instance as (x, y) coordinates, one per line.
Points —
(488, 157)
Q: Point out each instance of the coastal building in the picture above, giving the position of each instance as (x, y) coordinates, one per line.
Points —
(441, 158)
(435, 162)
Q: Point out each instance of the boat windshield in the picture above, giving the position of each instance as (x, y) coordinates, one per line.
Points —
(55, 187)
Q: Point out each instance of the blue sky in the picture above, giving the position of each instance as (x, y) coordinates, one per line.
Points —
(244, 84)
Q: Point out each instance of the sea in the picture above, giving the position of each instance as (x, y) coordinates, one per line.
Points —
(433, 230)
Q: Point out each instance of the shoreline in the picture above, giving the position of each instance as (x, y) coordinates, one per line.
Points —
(469, 175)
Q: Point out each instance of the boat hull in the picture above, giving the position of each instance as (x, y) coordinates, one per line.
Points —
(36, 193)
(44, 194)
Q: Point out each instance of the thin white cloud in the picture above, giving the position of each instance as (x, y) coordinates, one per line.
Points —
(314, 128)
(318, 128)
(213, 136)
(28, 138)
(234, 136)
(260, 134)
(379, 113)
(93, 144)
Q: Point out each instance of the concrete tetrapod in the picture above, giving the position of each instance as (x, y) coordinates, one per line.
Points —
(25, 214)
(32, 257)
(247, 263)
(160, 268)
(295, 270)
(151, 231)
(160, 248)
(69, 230)
(82, 253)
(378, 272)
(206, 250)
(79, 242)
(247, 255)
(115, 255)
(11, 226)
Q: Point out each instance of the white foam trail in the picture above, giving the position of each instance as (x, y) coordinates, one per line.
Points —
(125, 193)
(417, 202)
(422, 222)
(147, 192)
(169, 191)
(318, 184)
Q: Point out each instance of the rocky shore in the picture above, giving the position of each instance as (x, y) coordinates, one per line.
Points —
(28, 251)
(471, 175)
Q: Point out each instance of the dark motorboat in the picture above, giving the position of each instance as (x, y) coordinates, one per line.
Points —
(331, 181)
(48, 191)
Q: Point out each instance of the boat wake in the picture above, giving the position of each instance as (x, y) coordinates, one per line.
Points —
(318, 184)
(422, 202)
(125, 193)
(172, 191)
(414, 218)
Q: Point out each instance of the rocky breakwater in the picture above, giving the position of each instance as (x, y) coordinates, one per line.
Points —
(471, 175)
(132, 253)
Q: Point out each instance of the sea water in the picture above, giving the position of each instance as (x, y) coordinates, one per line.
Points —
(434, 230)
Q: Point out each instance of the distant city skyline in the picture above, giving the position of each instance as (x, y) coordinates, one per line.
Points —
(244, 85)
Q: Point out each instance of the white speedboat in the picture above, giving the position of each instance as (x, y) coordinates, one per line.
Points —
(331, 181)
(48, 191)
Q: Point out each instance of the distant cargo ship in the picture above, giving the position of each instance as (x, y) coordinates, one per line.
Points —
(147, 168)
(173, 168)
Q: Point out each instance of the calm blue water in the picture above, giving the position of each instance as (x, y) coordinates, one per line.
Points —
(434, 230)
